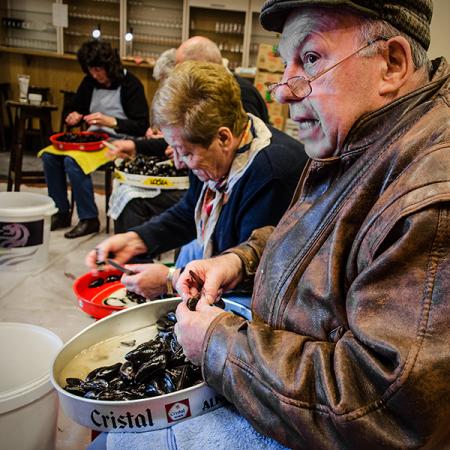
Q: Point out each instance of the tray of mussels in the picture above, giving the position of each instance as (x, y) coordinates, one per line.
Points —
(128, 373)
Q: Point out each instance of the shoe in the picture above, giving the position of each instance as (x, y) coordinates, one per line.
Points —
(60, 220)
(83, 227)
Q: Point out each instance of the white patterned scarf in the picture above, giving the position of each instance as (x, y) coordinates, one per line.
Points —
(256, 137)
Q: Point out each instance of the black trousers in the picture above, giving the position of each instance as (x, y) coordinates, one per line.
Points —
(139, 210)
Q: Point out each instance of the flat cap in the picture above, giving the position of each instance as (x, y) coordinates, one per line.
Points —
(412, 17)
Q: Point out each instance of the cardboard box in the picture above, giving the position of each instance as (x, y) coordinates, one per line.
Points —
(268, 59)
(277, 109)
(277, 122)
(262, 78)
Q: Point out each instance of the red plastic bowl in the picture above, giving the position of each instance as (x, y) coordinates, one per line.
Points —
(90, 300)
(85, 146)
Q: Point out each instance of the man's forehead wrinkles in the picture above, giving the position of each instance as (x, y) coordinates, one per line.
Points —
(298, 28)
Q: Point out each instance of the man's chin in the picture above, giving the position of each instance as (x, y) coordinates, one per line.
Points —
(318, 150)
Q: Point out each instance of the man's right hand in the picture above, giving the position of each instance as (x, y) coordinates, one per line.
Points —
(125, 148)
(123, 246)
(219, 274)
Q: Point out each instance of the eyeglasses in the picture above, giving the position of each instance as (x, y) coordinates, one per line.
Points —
(300, 86)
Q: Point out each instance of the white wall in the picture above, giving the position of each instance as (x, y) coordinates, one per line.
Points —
(440, 30)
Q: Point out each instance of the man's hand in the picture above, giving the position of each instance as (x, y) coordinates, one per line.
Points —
(150, 281)
(123, 246)
(218, 274)
(125, 148)
(191, 328)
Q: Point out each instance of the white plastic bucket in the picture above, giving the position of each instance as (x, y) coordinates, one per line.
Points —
(28, 402)
(24, 230)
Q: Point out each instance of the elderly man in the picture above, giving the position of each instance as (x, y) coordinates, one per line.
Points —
(200, 48)
(349, 343)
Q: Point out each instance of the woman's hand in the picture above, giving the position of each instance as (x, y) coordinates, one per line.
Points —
(73, 118)
(123, 246)
(153, 133)
(150, 280)
(125, 148)
(101, 120)
(218, 274)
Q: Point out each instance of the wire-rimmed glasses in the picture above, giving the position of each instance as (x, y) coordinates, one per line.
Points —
(300, 87)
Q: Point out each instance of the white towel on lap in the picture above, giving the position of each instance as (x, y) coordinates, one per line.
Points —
(221, 429)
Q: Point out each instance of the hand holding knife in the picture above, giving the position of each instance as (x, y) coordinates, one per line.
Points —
(118, 266)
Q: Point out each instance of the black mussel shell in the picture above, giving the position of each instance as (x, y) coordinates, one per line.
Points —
(96, 283)
(112, 278)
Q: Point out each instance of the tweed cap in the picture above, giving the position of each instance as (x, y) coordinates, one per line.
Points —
(412, 17)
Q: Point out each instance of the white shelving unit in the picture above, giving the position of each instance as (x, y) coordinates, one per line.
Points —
(156, 26)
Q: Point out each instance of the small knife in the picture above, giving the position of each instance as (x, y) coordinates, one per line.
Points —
(118, 266)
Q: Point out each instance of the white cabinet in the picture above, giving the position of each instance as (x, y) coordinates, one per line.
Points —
(85, 16)
(230, 5)
(28, 24)
(258, 35)
(223, 23)
(156, 26)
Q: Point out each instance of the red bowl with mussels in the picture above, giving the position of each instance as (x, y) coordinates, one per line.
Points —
(91, 290)
(88, 141)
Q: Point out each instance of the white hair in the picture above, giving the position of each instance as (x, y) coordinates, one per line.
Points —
(164, 64)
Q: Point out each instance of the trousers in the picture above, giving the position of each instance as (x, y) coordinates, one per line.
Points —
(57, 169)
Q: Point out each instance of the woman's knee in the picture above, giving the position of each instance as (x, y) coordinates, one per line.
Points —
(50, 160)
(72, 166)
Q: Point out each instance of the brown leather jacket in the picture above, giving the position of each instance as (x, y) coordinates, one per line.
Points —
(349, 347)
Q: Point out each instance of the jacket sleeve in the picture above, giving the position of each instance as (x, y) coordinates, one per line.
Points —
(369, 385)
(175, 226)
(250, 252)
(135, 107)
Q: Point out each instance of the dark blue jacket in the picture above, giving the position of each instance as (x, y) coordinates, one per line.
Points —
(259, 198)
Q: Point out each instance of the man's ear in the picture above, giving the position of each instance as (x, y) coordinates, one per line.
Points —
(398, 67)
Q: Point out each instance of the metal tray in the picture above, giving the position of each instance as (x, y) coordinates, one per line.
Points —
(135, 415)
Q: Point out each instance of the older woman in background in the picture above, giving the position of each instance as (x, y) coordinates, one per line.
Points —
(244, 173)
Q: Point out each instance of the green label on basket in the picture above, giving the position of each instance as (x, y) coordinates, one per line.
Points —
(21, 234)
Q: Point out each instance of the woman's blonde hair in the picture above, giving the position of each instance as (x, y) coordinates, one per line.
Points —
(199, 98)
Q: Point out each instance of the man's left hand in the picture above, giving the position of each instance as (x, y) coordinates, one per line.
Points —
(191, 328)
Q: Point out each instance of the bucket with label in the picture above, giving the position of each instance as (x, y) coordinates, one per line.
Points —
(25, 219)
(28, 402)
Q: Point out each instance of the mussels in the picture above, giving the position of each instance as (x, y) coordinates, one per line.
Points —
(81, 138)
(155, 367)
(147, 165)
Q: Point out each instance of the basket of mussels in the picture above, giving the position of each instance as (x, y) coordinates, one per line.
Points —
(151, 172)
(82, 140)
(128, 373)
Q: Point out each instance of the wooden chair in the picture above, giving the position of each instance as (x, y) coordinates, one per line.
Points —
(5, 94)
